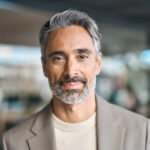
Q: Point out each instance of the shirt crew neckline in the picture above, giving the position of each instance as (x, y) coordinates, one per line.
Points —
(73, 127)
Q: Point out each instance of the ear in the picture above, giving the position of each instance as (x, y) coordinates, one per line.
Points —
(98, 65)
(44, 67)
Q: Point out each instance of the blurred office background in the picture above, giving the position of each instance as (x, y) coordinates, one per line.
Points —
(125, 74)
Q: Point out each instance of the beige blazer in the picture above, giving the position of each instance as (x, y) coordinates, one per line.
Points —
(117, 129)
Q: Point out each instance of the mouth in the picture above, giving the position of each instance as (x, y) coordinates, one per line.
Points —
(73, 85)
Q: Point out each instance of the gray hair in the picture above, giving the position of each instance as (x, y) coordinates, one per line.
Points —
(68, 18)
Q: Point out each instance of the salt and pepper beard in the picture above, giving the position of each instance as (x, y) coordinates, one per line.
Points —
(73, 96)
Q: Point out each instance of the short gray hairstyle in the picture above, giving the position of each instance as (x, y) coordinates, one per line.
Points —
(68, 18)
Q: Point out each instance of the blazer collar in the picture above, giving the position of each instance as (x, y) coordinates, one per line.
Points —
(43, 131)
(110, 134)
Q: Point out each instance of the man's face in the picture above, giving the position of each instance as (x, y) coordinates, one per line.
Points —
(71, 64)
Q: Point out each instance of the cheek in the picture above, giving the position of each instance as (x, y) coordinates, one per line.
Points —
(90, 73)
(54, 73)
(92, 76)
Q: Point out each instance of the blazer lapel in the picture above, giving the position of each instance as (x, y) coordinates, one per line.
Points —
(110, 134)
(43, 132)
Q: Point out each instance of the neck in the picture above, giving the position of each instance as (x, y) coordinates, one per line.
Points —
(74, 113)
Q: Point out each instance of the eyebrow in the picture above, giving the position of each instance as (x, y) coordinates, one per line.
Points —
(56, 53)
(83, 50)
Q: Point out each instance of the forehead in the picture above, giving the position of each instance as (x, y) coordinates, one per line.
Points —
(69, 38)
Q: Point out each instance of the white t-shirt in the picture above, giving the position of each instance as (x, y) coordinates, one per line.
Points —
(75, 136)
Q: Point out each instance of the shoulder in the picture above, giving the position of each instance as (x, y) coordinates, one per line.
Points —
(19, 135)
(137, 127)
(23, 131)
(125, 117)
(128, 117)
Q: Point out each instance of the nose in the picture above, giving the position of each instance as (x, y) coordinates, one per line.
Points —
(70, 68)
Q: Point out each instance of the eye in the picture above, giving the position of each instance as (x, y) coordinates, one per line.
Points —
(58, 59)
(82, 57)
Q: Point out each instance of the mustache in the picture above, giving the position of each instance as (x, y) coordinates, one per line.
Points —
(73, 79)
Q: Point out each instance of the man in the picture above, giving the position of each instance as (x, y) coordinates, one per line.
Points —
(76, 118)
